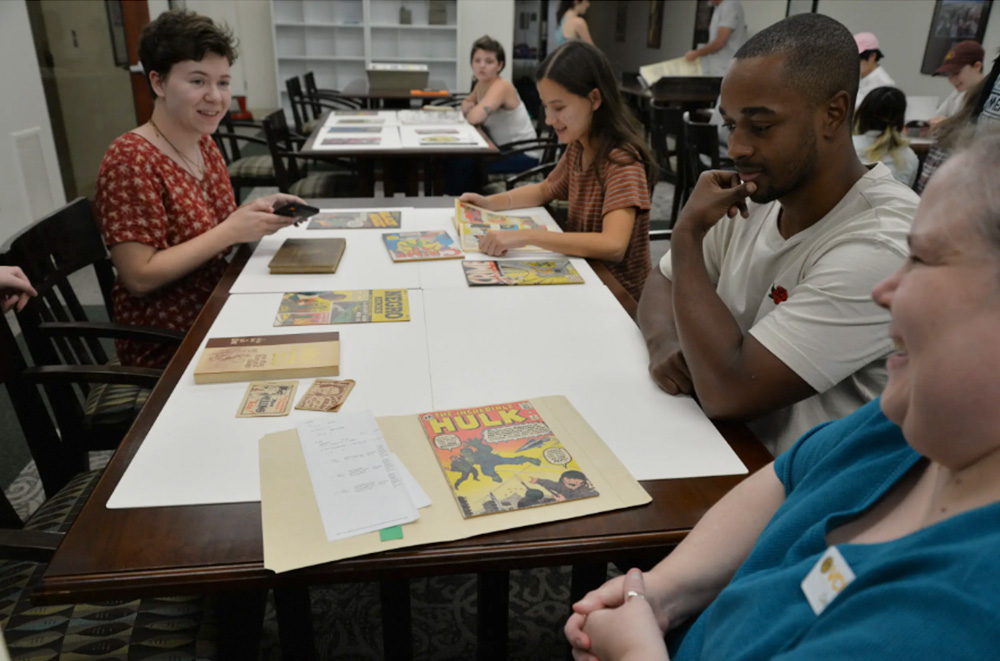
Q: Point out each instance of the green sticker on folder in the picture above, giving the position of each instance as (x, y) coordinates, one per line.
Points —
(391, 534)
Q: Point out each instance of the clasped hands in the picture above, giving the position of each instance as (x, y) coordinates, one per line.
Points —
(617, 621)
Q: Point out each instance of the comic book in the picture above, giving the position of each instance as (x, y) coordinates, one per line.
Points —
(420, 246)
(503, 457)
(349, 220)
(343, 307)
(472, 223)
(521, 272)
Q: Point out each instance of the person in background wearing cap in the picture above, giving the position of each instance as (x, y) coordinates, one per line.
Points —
(964, 67)
(872, 73)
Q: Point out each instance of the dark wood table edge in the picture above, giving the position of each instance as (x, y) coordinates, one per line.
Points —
(453, 557)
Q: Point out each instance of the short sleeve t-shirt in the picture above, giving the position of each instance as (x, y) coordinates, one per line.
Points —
(622, 185)
(989, 118)
(807, 299)
(144, 196)
(728, 14)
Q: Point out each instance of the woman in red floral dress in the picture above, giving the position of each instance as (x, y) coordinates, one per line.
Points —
(164, 200)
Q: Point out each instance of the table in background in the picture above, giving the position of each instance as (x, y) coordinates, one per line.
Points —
(401, 98)
(401, 165)
(158, 551)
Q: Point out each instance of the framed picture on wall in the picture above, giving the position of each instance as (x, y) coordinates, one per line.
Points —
(119, 45)
(954, 21)
(621, 20)
(702, 22)
(655, 31)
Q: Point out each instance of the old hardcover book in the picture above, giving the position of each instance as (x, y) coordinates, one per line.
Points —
(308, 256)
(269, 357)
(503, 457)
(521, 272)
(343, 307)
(420, 246)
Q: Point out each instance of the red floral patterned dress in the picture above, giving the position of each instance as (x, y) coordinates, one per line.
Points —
(144, 196)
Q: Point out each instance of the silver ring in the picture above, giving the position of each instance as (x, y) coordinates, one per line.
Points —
(632, 593)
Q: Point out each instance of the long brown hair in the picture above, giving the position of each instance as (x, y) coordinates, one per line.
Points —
(581, 68)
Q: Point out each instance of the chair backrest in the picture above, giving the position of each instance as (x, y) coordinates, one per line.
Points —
(230, 148)
(55, 465)
(279, 143)
(49, 251)
(664, 122)
(700, 138)
(298, 102)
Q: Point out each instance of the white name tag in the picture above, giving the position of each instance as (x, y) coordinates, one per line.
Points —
(826, 579)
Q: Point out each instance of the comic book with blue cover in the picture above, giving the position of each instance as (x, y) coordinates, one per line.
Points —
(420, 246)
(503, 457)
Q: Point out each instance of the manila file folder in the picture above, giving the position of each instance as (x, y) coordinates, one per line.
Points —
(293, 530)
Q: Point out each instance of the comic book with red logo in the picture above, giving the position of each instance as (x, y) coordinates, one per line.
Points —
(503, 457)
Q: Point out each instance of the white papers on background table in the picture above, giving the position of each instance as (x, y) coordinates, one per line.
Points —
(360, 138)
(353, 475)
(431, 137)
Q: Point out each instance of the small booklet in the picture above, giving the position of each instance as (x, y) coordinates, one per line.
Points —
(350, 220)
(420, 246)
(308, 256)
(268, 357)
(503, 457)
(343, 307)
(472, 224)
(521, 272)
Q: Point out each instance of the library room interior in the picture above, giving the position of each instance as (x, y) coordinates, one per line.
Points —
(499, 329)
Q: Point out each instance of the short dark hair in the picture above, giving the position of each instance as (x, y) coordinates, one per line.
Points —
(820, 54)
(865, 54)
(490, 45)
(179, 35)
(882, 108)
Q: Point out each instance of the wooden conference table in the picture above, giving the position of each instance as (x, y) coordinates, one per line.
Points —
(158, 551)
(401, 166)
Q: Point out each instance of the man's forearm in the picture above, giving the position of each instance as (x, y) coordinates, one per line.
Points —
(655, 314)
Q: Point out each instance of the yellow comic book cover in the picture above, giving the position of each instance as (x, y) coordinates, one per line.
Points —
(343, 307)
(473, 222)
(503, 457)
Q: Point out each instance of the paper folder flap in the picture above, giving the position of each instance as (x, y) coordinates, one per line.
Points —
(293, 530)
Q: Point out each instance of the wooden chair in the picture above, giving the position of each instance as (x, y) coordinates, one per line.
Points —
(701, 152)
(294, 178)
(316, 94)
(132, 629)
(244, 170)
(454, 102)
(307, 112)
(93, 413)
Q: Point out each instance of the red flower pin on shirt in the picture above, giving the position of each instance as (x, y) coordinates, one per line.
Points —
(778, 294)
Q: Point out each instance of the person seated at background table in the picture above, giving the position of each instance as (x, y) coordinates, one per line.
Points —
(878, 126)
(978, 117)
(873, 74)
(727, 31)
(964, 67)
(495, 105)
(767, 317)
(875, 536)
(164, 199)
(15, 288)
(606, 172)
(570, 23)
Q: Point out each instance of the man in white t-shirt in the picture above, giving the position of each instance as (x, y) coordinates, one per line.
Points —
(727, 32)
(872, 73)
(763, 308)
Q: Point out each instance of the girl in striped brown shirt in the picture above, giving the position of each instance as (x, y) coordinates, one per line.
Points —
(606, 173)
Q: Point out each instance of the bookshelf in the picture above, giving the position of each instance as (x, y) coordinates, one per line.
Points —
(337, 39)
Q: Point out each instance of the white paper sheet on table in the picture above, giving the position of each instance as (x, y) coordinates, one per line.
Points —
(411, 138)
(365, 265)
(374, 117)
(353, 475)
(579, 342)
(388, 138)
(198, 452)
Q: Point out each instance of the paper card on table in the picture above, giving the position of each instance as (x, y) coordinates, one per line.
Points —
(352, 475)
(359, 306)
(267, 399)
(391, 534)
(326, 395)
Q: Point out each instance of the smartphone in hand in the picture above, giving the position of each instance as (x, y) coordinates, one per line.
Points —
(296, 210)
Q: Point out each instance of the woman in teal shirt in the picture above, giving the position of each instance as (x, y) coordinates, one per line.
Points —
(570, 23)
(875, 536)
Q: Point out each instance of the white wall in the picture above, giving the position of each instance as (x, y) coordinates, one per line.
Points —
(23, 109)
(479, 17)
(902, 33)
(675, 39)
